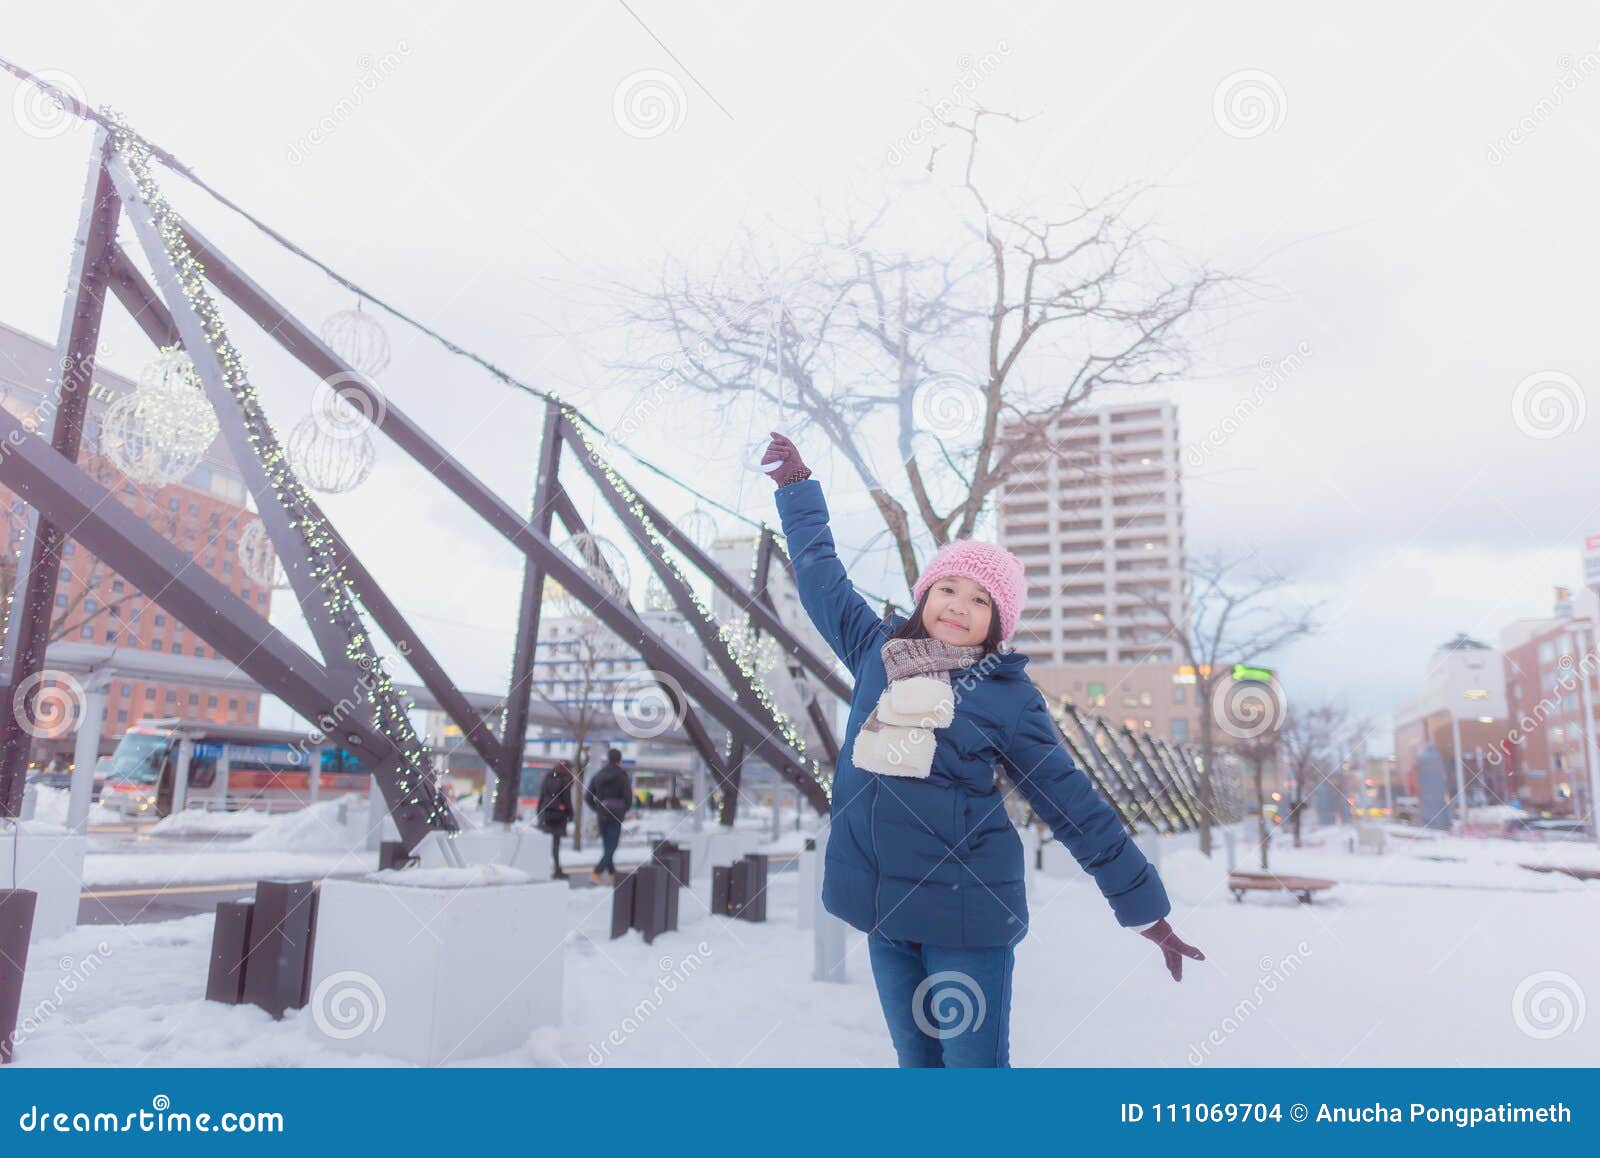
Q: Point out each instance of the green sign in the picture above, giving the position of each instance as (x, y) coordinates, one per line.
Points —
(1245, 672)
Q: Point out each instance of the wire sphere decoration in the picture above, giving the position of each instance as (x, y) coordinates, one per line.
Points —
(328, 463)
(656, 595)
(156, 434)
(699, 526)
(258, 559)
(604, 562)
(358, 338)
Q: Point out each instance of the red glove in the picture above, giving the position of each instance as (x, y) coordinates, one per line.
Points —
(784, 458)
(1173, 948)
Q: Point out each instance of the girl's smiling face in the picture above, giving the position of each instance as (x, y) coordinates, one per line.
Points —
(958, 611)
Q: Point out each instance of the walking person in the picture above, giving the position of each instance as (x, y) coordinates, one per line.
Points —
(921, 855)
(610, 794)
(555, 810)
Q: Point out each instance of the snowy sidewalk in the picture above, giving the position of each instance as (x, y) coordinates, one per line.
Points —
(1383, 973)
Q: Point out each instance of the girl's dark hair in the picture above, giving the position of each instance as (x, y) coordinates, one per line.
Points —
(913, 628)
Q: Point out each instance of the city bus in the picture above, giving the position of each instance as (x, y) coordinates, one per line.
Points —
(231, 767)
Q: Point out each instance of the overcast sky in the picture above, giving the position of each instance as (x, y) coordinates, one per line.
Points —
(1417, 188)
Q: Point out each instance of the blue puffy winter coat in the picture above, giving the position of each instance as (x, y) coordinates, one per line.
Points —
(938, 860)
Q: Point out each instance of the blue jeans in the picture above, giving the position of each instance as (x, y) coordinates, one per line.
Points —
(610, 834)
(945, 1006)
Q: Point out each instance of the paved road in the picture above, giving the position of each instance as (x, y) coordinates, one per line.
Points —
(138, 904)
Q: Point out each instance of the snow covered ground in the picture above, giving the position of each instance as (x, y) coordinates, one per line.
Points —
(1409, 961)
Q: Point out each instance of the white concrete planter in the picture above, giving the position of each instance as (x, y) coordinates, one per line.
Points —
(48, 860)
(519, 848)
(436, 973)
(716, 847)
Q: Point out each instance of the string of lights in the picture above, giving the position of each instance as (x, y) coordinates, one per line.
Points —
(166, 158)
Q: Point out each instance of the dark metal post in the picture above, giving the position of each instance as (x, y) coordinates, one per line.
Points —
(513, 738)
(27, 630)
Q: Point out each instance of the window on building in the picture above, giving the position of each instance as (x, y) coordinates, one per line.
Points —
(87, 632)
(61, 600)
(122, 716)
(149, 693)
(1180, 729)
(1146, 699)
(194, 699)
(161, 620)
(211, 701)
(172, 695)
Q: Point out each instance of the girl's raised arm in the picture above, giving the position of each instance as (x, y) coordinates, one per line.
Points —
(840, 612)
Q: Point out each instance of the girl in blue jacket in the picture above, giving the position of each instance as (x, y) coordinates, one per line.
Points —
(921, 855)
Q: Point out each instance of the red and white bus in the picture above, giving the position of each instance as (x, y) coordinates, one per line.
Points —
(231, 767)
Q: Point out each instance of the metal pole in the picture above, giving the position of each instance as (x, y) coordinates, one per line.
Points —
(1461, 787)
(316, 755)
(224, 768)
(86, 750)
(180, 774)
(1591, 749)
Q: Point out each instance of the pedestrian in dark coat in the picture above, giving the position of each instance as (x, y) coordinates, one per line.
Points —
(610, 794)
(555, 810)
(921, 854)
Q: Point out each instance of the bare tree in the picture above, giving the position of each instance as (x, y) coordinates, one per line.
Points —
(934, 353)
(1258, 752)
(580, 700)
(1315, 740)
(1228, 617)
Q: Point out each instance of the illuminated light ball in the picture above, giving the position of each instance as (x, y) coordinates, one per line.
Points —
(258, 559)
(325, 462)
(158, 433)
(359, 339)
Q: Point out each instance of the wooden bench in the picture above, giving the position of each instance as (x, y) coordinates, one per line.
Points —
(1240, 883)
(1582, 874)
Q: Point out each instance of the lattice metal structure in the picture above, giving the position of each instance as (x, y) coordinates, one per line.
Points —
(343, 688)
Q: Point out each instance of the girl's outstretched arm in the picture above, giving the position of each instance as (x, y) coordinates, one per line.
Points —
(840, 612)
(1082, 820)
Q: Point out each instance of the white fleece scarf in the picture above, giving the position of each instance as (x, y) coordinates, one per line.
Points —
(897, 738)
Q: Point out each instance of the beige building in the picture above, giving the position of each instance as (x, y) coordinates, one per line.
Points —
(1097, 520)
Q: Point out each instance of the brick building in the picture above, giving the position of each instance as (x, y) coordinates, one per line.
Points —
(204, 515)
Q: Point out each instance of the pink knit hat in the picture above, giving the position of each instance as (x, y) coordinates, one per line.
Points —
(997, 570)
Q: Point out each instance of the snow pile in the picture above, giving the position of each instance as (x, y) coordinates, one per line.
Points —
(202, 822)
(1190, 876)
(51, 808)
(471, 876)
(314, 829)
